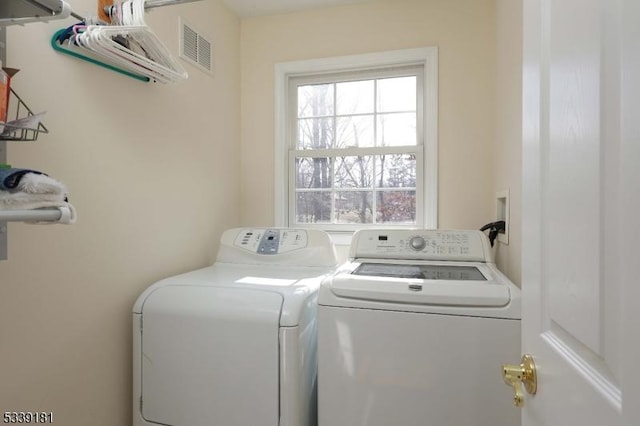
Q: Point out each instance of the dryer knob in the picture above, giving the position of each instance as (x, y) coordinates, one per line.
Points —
(417, 243)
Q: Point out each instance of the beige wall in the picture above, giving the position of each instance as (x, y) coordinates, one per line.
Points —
(463, 30)
(508, 152)
(147, 166)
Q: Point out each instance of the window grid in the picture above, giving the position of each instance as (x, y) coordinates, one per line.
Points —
(374, 189)
(374, 196)
(332, 154)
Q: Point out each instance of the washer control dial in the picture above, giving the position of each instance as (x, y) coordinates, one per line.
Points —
(417, 243)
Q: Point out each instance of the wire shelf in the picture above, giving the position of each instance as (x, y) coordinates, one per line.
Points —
(26, 125)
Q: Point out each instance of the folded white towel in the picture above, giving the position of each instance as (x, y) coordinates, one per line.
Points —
(38, 191)
(24, 201)
(34, 183)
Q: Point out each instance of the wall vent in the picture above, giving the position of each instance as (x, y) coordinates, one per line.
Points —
(195, 48)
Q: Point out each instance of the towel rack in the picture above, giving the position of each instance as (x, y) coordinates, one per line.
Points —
(53, 215)
(39, 215)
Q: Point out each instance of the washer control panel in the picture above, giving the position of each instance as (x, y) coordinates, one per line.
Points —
(453, 245)
(270, 241)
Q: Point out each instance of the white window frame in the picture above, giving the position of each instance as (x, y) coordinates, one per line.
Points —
(426, 57)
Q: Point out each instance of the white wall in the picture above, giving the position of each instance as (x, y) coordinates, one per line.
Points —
(153, 171)
(508, 149)
(463, 30)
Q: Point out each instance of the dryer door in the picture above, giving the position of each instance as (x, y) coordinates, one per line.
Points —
(210, 356)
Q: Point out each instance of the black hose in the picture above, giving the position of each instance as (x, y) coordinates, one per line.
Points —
(494, 229)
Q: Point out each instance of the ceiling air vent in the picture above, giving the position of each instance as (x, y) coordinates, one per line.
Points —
(195, 48)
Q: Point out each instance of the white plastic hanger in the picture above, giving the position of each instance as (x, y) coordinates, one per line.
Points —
(157, 63)
(147, 56)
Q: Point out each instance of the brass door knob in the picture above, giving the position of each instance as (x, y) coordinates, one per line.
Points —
(517, 375)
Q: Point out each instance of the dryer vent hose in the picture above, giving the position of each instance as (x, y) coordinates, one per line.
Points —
(494, 229)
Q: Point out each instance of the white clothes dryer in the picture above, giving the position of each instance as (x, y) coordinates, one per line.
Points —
(234, 344)
(412, 331)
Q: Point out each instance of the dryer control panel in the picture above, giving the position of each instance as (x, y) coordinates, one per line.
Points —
(422, 244)
(277, 247)
(271, 241)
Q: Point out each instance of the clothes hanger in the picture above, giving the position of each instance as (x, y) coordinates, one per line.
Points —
(151, 53)
(129, 47)
(156, 62)
(60, 42)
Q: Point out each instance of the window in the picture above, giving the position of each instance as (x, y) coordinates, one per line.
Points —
(356, 144)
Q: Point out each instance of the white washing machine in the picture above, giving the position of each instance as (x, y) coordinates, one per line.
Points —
(234, 344)
(413, 330)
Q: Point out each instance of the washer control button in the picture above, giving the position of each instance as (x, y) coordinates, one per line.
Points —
(417, 243)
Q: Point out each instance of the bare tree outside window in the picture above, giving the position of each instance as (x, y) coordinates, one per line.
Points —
(355, 153)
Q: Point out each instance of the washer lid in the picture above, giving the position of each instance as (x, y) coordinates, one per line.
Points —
(464, 284)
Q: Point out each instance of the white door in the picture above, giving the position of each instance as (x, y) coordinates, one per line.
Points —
(581, 214)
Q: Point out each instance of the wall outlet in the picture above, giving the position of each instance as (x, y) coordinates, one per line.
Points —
(502, 213)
